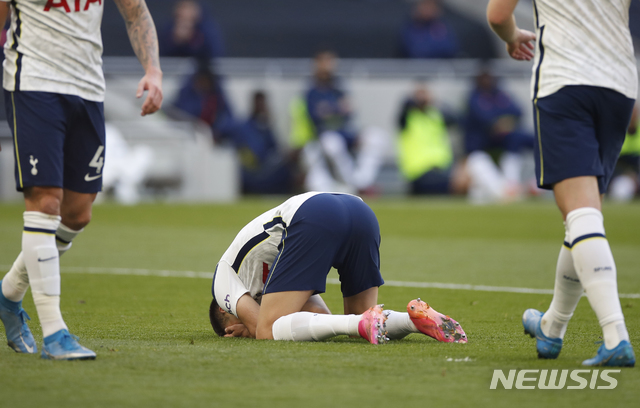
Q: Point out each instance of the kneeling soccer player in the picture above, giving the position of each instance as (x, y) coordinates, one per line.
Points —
(283, 257)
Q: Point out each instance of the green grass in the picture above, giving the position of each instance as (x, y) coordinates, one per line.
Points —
(155, 346)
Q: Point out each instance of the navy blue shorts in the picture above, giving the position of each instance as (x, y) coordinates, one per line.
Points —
(580, 131)
(328, 230)
(59, 140)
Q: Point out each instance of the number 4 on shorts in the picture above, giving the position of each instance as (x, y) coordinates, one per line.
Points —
(98, 161)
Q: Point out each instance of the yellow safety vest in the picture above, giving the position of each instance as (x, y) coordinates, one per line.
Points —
(302, 127)
(631, 146)
(424, 144)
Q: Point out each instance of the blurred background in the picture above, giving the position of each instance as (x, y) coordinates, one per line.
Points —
(374, 97)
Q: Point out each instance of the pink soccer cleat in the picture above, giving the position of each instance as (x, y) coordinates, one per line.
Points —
(434, 324)
(372, 325)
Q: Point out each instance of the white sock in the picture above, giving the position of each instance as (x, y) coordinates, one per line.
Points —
(64, 238)
(597, 271)
(566, 294)
(16, 281)
(399, 325)
(43, 266)
(307, 326)
(48, 308)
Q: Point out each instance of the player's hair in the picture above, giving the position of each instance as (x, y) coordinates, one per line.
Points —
(216, 318)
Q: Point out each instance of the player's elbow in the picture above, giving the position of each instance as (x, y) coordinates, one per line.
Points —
(497, 19)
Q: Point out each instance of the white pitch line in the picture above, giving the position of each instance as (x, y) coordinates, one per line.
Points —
(392, 283)
(137, 272)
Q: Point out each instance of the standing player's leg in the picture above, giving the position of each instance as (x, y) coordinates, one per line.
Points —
(82, 180)
(549, 328)
(36, 120)
(15, 283)
(41, 257)
(580, 131)
(41, 220)
(579, 201)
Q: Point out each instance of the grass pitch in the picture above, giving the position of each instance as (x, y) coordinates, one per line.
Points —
(156, 348)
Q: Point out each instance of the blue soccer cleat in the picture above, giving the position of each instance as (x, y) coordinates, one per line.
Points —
(63, 345)
(13, 316)
(547, 347)
(620, 356)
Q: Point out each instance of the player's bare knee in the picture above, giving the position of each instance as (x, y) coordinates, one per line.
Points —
(44, 200)
(76, 220)
(264, 332)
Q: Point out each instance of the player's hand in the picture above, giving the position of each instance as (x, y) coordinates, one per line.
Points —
(522, 45)
(151, 82)
(237, 330)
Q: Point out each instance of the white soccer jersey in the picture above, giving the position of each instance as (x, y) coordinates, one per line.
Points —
(55, 46)
(583, 42)
(245, 265)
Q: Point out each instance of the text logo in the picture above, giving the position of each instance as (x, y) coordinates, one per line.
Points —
(65, 5)
(554, 379)
(227, 303)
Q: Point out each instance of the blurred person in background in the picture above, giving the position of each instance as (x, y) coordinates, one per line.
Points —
(492, 128)
(202, 97)
(425, 154)
(265, 168)
(338, 156)
(426, 34)
(626, 181)
(191, 33)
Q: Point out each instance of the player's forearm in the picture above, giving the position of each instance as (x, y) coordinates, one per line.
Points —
(142, 32)
(501, 19)
(248, 311)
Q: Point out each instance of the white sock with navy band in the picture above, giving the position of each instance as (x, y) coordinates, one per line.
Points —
(16, 282)
(307, 326)
(566, 294)
(596, 269)
(43, 266)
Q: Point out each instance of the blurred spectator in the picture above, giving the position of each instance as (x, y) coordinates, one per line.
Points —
(191, 33)
(492, 128)
(338, 157)
(265, 169)
(427, 34)
(425, 154)
(326, 101)
(625, 183)
(202, 97)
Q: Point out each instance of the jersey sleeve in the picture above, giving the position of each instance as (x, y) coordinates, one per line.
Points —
(227, 287)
